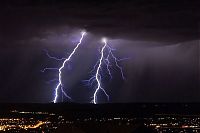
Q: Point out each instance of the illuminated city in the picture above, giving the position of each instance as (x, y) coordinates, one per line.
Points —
(85, 118)
(100, 66)
(29, 121)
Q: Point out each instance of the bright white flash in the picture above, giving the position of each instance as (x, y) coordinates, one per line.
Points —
(98, 76)
(65, 60)
(106, 53)
(60, 71)
(107, 58)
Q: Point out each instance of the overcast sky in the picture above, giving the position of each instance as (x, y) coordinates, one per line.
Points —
(160, 38)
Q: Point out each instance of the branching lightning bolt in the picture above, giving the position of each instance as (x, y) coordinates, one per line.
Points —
(106, 61)
(60, 71)
(103, 60)
(60, 85)
(98, 76)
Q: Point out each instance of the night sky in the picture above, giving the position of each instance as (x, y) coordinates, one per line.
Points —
(160, 38)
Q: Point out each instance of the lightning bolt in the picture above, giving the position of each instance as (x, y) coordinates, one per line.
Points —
(98, 76)
(106, 60)
(60, 71)
(106, 53)
(65, 60)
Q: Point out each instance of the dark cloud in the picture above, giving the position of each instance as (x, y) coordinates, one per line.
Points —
(159, 37)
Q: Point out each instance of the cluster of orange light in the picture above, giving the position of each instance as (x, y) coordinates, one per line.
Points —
(7, 127)
(33, 126)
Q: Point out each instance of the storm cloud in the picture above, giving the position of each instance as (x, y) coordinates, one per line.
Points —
(160, 38)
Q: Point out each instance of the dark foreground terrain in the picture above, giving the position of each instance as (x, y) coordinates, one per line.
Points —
(102, 118)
